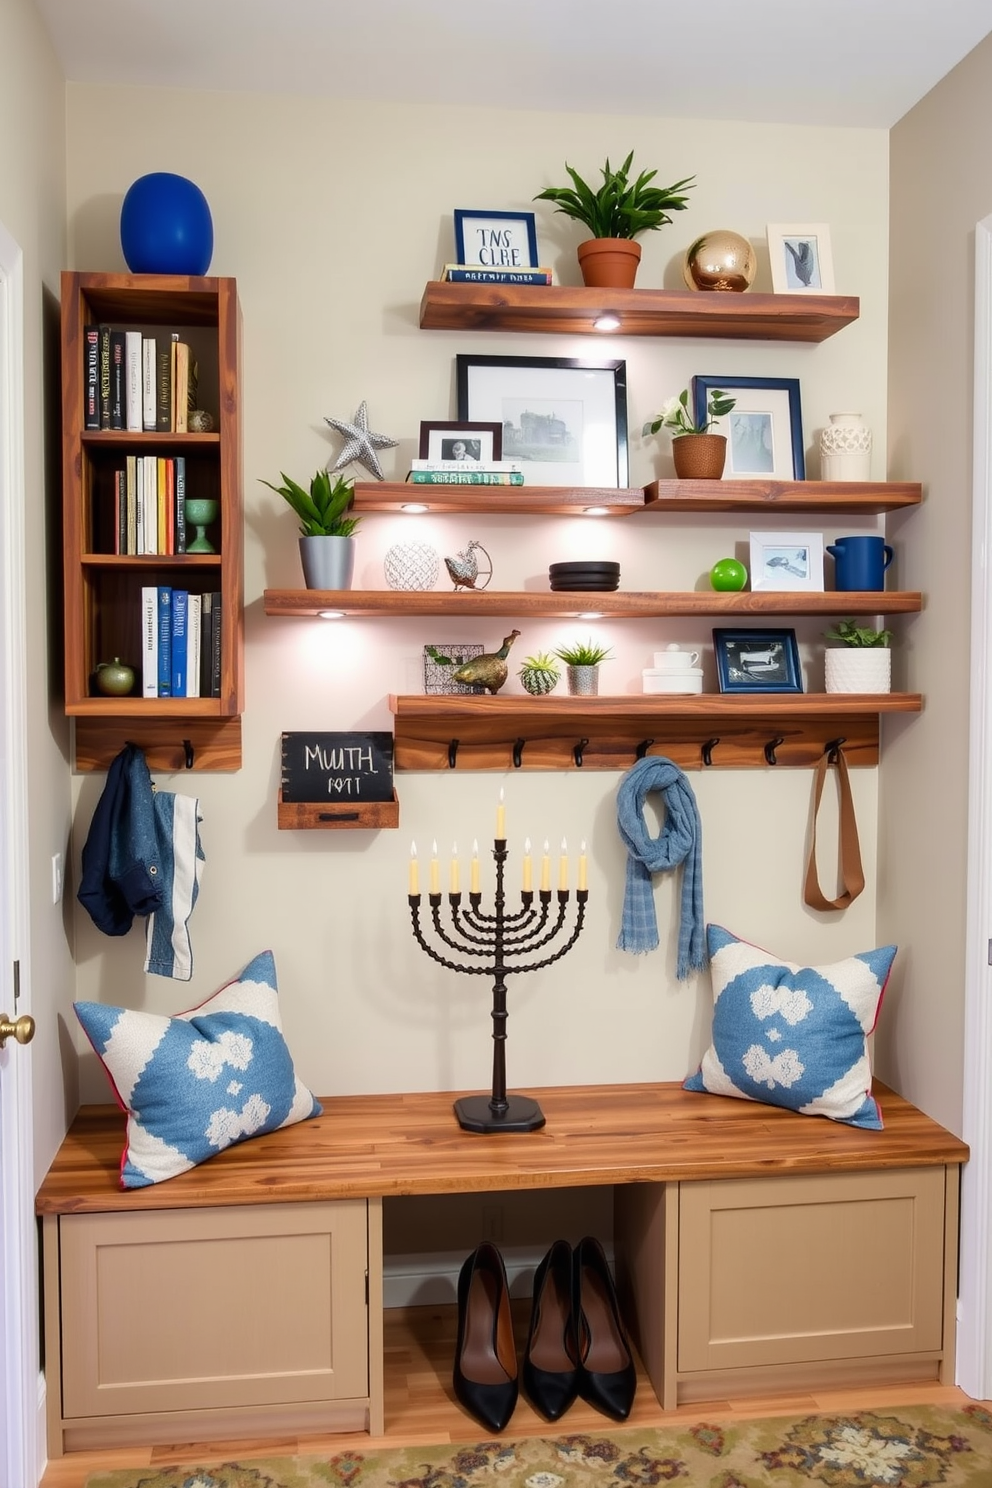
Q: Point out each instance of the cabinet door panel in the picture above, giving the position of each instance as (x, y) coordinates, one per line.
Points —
(174, 1310)
(777, 1271)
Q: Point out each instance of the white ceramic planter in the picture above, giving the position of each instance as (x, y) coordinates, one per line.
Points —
(857, 669)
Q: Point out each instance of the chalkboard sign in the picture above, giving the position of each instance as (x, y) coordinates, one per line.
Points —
(337, 768)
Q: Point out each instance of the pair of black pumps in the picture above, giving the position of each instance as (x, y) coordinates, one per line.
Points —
(576, 1343)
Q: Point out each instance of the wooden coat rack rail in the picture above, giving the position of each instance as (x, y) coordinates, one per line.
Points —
(169, 744)
(756, 731)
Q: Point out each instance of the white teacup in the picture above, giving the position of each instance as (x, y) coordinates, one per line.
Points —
(673, 659)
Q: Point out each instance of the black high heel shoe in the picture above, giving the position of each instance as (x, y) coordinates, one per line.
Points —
(550, 1368)
(485, 1370)
(607, 1378)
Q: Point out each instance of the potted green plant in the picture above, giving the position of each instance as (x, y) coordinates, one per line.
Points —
(539, 674)
(582, 661)
(860, 662)
(616, 213)
(327, 543)
(698, 454)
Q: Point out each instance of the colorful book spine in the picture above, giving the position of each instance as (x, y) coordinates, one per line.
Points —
(475, 274)
(216, 646)
(91, 377)
(182, 387)
(180, 503)
(118, 380)
(180, 636)
(132, 378)
(120, 511)
(149, 363)
(149, 642)
(206, 641)
(163, 387)
(131, 474)
(462, 465)
(466, 477)
(194, 626)
(150, 465)
(164, 640)
(105, 377)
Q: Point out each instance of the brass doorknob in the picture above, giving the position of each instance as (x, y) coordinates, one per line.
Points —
(22, 1029)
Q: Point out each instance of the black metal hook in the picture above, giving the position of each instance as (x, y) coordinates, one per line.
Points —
(830, 750)
(708, 749)
(643, 748)
(518, 750)
(188, 753)
(452, 753)
(771, 747)
(577, 752)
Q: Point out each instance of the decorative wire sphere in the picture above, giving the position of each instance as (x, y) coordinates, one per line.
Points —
(720, 260)
(413, 565)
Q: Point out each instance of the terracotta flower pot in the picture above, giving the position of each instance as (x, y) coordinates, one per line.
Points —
(699, 456)
(609, 263)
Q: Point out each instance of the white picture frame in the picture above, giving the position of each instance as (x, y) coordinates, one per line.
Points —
(801, 258)
(496, 240)
(786, 562)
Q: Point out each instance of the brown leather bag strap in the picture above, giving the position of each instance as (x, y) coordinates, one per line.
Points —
(851, 871)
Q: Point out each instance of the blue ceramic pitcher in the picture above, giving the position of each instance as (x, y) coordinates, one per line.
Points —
(860, 562)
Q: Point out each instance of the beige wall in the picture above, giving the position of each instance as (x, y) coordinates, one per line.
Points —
(940, 189)
(32, 209)
(332, 218)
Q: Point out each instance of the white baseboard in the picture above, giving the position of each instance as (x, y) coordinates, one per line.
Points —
(430, 1279)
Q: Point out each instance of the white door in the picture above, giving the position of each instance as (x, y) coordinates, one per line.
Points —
(20, 1455)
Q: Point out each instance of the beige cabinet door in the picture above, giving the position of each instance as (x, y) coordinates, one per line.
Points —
(202, 1308)
(834, 1266)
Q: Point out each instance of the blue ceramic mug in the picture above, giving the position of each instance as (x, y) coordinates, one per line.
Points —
(860, 562)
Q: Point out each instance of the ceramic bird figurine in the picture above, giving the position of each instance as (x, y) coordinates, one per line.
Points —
(490, 669)
(464, 567)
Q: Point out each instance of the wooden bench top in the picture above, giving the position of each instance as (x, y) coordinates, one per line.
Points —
(364, 1146)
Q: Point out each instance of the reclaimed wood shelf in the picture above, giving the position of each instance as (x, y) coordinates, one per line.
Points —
(618, 605)
(562, 310)
(734, 731)
(323, 815)
(556, 501)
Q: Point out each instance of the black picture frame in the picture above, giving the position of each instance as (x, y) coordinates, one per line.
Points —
(435, 434)
(773, 400)
(757, 660)
(552, 406)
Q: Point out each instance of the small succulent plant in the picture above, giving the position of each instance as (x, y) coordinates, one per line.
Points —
(323, 511)
(583, 653)
(539, 674)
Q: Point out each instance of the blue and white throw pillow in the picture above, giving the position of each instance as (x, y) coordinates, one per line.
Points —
(196, 1083)
(793, 1036)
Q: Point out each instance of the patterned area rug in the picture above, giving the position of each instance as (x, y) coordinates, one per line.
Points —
(911, 1448)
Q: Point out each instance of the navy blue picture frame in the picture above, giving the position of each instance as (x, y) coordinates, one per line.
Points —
(524, 220)
(757, 660)
(703, 386)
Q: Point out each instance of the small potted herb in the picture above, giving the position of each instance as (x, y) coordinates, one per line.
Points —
(860, 662)
(698, 454)
(582, 662)
(327, 543)
(615, 213)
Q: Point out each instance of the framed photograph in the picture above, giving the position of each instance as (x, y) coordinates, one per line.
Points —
(757, 661)
(461, 441)
(564, 420)
(787, 561)
(496, 240)
(764, 429)
(801, 259)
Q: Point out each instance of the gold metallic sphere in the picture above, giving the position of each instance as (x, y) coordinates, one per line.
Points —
(719, 260)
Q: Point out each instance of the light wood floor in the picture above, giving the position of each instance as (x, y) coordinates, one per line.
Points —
(420, 1407)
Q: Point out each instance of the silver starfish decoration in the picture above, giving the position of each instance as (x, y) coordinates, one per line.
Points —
(362, 443)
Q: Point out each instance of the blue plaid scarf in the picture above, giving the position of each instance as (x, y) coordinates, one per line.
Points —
(679, 841)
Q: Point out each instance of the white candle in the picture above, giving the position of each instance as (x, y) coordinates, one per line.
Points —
(414, 875)
(474, 877)
(582, 867)
(501, 819)
(454, 868)
(563, 866)
(527, 883)
(546, 868)
(435, 870)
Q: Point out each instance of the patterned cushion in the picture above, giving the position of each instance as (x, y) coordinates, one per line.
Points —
(194, 1084)
(790, 1035)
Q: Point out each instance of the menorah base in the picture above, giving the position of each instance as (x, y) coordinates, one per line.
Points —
(476, 1113)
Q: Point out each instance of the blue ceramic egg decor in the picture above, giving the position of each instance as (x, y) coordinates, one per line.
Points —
(166, 227)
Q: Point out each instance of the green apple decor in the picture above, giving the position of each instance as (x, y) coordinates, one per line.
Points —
(727, 575)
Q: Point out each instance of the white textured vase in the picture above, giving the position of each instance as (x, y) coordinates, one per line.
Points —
(857, 669)
(845, 449)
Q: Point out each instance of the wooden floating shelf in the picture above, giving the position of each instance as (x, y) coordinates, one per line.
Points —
(617, 605)
(215, 743)
(559, 501)
(560, 309)
(307, 815)
(756, 731)
(817, 498)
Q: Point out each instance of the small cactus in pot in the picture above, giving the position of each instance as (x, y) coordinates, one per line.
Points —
(539, 674)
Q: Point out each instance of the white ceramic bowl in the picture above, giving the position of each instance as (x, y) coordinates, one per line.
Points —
(674, 661)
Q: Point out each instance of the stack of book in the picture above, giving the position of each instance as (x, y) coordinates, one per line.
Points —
(180, 643)
(136, 383)
(480, 274)
(465, 473)
(149, 511)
